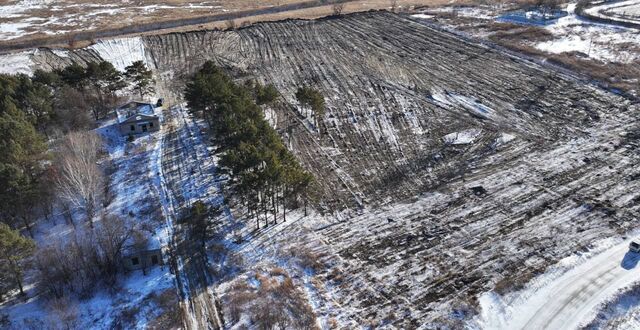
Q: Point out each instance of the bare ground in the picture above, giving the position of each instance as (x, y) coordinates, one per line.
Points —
(419, 226)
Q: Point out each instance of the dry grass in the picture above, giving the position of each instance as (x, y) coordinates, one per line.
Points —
(72, 18)
(171, 316)
(305, 257)
(275, 303)
(527, 34)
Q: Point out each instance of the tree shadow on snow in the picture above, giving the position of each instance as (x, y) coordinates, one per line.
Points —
(630, 260)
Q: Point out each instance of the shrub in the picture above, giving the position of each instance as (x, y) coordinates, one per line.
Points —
(171, 315)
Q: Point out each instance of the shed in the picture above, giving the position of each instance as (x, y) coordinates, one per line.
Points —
(136, 118)
(142, 259)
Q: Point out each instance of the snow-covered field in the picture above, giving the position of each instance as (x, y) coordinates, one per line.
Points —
(628, 11)
(599, 41)
(569, 294)
(461, 180)
(21, 18)
(16, 63)
(570, 33)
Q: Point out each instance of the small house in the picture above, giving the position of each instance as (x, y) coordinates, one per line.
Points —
(137, 117)
(142, 259)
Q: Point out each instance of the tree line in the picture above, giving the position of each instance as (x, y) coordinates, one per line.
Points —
(48, 157)
(265, 177)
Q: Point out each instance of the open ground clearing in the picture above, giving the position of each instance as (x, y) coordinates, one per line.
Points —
(623, 11)
(445, 168)
(603, 51)
(75, 24)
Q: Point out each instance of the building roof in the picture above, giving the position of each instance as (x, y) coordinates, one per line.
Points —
(134, 108)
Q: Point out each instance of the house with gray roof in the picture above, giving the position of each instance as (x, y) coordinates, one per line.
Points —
(137, 118)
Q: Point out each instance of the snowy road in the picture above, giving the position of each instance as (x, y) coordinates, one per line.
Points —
(569, 300)
(179, 166)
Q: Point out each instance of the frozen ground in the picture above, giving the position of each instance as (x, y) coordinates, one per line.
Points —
(40, 18)
(448, 169)
(569, 294)
(27, 17)
(16, 63)
(628, 11)
(608, 43)
(599, 41)
(439, 182)
(136, 200)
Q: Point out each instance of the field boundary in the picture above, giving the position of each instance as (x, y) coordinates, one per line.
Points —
(583, 5)
(69, 38)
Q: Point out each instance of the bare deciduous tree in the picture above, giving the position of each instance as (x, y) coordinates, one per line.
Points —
(64, 313)
(113, 235)
(80, 180)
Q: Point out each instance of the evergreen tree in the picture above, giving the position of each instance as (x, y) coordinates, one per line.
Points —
(140, 77)
(35, 99)
(312, 98)
(105, 81)
(75, 76)
(14, 249)
(201, 220)
(266, 95)
(22, 150)
(263, 172)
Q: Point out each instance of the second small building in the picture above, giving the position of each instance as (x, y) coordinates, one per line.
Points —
(137, 117)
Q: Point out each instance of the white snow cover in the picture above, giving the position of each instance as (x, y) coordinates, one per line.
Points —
(100, 310)
(462, 137)
(618, 10)
(567, 295)
(120, 52)
(16, 63)
(599, 41)
(423, 16)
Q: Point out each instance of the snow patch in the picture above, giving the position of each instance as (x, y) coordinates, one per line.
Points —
(16, 63)
(557, 299)
(121, 52)
(599, 41)
(462, 137)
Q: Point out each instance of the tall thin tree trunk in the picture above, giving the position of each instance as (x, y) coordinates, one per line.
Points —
(27, 224)
(284, 203)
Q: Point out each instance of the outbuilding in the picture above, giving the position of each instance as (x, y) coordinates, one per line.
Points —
(142, 259)
(137, 118)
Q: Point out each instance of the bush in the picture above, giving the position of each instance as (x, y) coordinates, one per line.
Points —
(171, 315)
(81, 264)
(275, 303)
(530, 34)
(63, 313)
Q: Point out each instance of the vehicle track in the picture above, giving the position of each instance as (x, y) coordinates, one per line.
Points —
(574, 297)
(201, 307)
(385, 77)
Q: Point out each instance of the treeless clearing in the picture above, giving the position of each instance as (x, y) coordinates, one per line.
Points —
(61, 21)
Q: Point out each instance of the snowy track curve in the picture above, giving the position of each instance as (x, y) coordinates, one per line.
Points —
(570, 300)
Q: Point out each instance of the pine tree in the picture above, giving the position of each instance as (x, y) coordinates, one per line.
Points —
(312, 98)
(22, 150)
(140, 77)
(201, 219)
(14, 249)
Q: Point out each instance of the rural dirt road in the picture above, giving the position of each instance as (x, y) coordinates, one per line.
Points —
(189, 257)
(572, 299)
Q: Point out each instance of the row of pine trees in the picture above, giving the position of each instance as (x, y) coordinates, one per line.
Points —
(264, 175)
